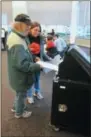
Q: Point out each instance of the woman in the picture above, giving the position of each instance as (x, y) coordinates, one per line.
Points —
(21, 68)
(35, 38)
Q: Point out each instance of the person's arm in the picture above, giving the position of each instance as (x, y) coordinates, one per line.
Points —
(43, 55)
(22, 61)
(28, 42)
(46, 57)
(63, 43)
(58, 45)
(55, 42)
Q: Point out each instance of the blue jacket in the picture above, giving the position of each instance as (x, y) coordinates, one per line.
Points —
(60, 44)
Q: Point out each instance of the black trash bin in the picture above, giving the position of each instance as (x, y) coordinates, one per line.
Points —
(71, 93)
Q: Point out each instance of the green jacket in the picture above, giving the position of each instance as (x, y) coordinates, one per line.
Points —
(21, 67)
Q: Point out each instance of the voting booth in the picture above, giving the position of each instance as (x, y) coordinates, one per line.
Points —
(71, 93)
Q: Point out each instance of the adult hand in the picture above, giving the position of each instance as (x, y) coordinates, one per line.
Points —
(41, 66)
(37, 59)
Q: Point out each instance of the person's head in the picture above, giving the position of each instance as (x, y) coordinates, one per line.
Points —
(52, 30)
(35, 29)
(22, 24)
(49, 38)
(55, 36)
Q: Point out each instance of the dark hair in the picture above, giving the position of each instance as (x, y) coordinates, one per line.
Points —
(23, 18)
(35, 24)
(49, 37)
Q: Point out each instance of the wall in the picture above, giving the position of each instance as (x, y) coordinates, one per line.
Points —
(7, 10)
(50, 12)
(19, 7)
(47, 12)
(57, 12)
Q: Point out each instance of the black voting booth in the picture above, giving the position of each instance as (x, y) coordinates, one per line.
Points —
(71, 93)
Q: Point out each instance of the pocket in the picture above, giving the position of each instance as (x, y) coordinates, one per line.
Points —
(30, 79)
(22, 78)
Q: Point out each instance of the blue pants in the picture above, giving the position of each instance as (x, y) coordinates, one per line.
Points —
(36, 85)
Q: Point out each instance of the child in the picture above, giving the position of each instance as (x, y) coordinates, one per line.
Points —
(50, 47)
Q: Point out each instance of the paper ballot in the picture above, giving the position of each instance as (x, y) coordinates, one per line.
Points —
(51, 65)
(48, 65)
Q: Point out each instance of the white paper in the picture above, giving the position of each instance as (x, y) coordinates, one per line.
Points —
(46, 70)
(48, 65)
(51, 65)
(56, 60)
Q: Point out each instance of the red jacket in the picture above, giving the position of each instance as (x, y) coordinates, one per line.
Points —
(50, 44)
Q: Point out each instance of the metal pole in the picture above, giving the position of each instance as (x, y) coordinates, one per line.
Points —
(74, 21)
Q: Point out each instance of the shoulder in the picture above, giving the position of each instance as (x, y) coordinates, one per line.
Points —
(16, 48)
(14, 40)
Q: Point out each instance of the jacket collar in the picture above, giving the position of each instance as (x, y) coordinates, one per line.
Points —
(18, 33)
